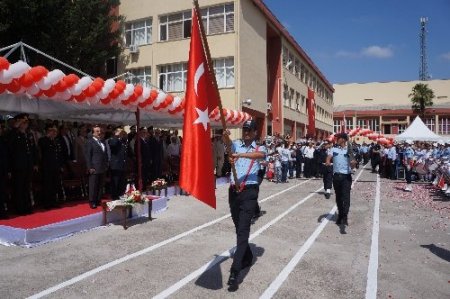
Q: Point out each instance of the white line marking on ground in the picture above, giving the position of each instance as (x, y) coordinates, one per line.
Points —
(372, 271)
(226, 254)
(279, 280)
(141, 252)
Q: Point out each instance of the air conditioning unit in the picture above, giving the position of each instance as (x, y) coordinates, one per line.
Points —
(134, 49)
(269, 106)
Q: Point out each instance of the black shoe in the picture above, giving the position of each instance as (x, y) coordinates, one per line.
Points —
(327, 195)
(93, 205)
(233, 281)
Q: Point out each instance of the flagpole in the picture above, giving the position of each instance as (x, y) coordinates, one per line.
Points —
(213, 77)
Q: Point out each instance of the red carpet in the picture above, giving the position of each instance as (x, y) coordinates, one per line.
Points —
(70, 210)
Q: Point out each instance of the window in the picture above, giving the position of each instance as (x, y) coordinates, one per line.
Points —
(303, 105)
(444, 126)
(337, 126)
(138, 32)
(286, 96)
(175, 26)
(429, 122)
(218, 19)
(173, 77)
(291, 98)
(373, 124)
(302, 73)
(141, 76)
(401, 128)
(224, 70)
(297, 68)
(298, 104)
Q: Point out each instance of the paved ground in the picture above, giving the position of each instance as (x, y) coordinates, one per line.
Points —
(399, 250)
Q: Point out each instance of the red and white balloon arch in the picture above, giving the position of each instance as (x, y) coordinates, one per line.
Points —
(20, 78)
(371, 135)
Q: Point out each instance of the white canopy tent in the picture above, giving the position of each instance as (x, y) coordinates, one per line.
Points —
(55, 95)
(72, 111)
(418, 131)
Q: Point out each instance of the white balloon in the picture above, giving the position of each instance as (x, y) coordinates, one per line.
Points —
(81, 85)
(176, 102)
(107, 88)
(15, 70)
(33, 89)
(160, 98)
(145, 94)
(44, 83)
(129, 89)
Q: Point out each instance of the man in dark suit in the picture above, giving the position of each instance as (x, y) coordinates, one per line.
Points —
(96, 153)
(146, 159)
(23, 160)
(51, 166)
(118, 145)
(3, 172)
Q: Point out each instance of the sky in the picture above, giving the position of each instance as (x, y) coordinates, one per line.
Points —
(358, 41)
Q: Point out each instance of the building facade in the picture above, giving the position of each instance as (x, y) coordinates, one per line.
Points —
(260, 68)
(386, 107)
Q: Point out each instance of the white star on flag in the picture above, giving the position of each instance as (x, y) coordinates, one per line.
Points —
(203, 118)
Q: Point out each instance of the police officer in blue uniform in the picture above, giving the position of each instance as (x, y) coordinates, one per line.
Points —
(243, 195)
(408, 155)
(342, 176)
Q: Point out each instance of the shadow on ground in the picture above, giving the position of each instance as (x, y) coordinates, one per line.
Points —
(212, 278)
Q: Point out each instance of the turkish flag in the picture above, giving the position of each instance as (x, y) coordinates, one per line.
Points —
(197, 167)
(311, 113)
(441, 182)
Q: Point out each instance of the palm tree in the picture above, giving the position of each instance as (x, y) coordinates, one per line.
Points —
(421, 98)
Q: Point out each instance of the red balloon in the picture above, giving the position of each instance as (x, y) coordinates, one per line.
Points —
(26, 80)
(90, 91)
(50, 92)
(138, 90)
(4, 63)
(98, 84)
(14, 86)
(2, 88)
(38, 72)
(60, 86)
(120, 86)
(106, 100)
(80, 98)
(71, 80)
(114, 93)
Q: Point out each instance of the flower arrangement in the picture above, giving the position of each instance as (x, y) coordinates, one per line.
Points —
(132, 195)
(159, 184)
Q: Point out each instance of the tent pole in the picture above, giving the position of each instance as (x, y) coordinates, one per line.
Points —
(138, 150)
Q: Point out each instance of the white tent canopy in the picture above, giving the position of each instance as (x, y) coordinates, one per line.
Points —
(72, 111)
(418, 131)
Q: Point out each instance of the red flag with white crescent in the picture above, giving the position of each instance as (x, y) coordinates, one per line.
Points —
(311, 113)
(197, 168)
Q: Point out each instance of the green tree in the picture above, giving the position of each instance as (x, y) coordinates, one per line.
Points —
(81, 33)
(421, 98)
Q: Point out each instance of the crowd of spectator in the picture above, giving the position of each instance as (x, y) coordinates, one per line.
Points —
(43, 162)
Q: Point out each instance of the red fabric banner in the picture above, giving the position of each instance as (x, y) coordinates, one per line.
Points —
(197, 169)
(311, 113)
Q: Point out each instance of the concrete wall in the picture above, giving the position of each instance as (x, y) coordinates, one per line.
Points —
(387, 94)
(252, 66)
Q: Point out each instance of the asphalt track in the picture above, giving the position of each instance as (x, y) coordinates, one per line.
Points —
(391, 249)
